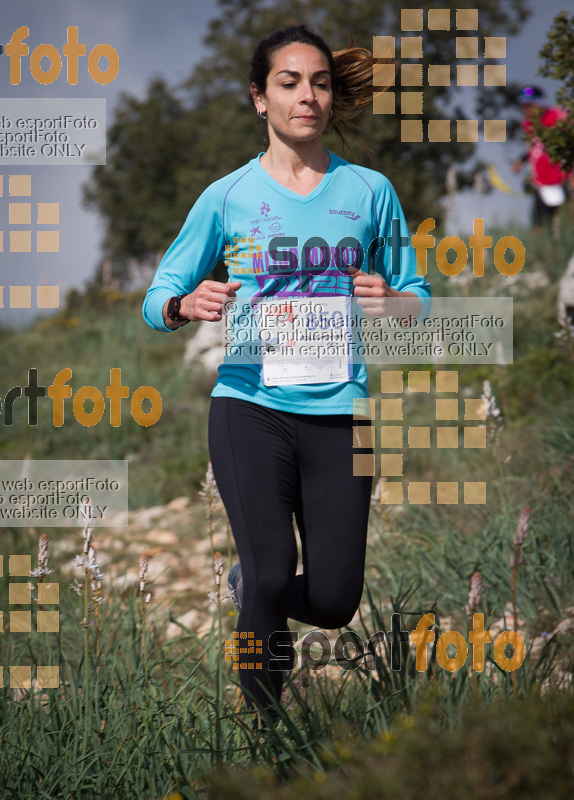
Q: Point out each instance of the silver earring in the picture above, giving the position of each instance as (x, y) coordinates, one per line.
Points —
(262, 114)
(330, 113)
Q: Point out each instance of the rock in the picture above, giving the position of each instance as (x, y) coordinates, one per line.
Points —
(565, 626)
(159, 567)
(536, 280)
(64, 547)
(219, 542)
(537, 644)
(566, 297)
(207, 624)
(197, 564)
(117, 520)
(206, 346)
(506, 623)
(191, 620)
(111, 542)
(178, 504)
(162, 537)
(146, 516)
(129, 579)
(178, 588)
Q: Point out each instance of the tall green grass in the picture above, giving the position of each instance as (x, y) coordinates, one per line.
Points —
(138, 715)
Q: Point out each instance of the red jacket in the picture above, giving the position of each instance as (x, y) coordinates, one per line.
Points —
(544, 171)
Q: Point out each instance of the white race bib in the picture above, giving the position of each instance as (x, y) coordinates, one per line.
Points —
(305, 340)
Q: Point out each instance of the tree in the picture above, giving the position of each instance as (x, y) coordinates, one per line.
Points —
(138, 188)
(164, 150)
(558, 62)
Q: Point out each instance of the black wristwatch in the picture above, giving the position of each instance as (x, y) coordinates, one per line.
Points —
(173, 307)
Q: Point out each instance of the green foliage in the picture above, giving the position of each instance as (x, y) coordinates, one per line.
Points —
(139, 186)
(139, 715)
(558, 62)
(522, 751)
(164, 150)
(91, 336)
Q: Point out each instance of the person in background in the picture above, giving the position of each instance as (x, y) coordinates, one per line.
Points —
(547, 179)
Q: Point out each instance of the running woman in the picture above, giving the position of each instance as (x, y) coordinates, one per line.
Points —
(287, 449)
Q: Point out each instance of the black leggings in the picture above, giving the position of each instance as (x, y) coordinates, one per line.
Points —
(268, 465)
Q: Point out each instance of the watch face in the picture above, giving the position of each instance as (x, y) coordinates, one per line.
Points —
(173, 308)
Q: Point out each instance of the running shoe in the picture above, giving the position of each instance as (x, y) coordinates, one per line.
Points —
(235, 585)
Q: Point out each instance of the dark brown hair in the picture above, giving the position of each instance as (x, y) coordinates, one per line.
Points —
(351, 74)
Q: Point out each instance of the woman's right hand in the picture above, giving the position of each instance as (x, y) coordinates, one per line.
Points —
(206, 302)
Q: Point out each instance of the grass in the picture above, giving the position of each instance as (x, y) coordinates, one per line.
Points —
(161, 468)
(138, 715)
(120, 727)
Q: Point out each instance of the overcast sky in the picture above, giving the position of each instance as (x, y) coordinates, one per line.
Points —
(165, 39)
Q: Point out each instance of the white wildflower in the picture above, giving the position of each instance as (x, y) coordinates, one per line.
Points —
(39, 572)
(494, 418)
(89, 564)
(144, 563)
(218, 565)
(97, 575)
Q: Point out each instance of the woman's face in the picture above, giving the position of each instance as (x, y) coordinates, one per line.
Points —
(298, 95)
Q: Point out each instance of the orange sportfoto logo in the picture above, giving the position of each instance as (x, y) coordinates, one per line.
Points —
(16, 49)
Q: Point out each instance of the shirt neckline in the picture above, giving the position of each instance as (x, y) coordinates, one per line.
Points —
(278, 187)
